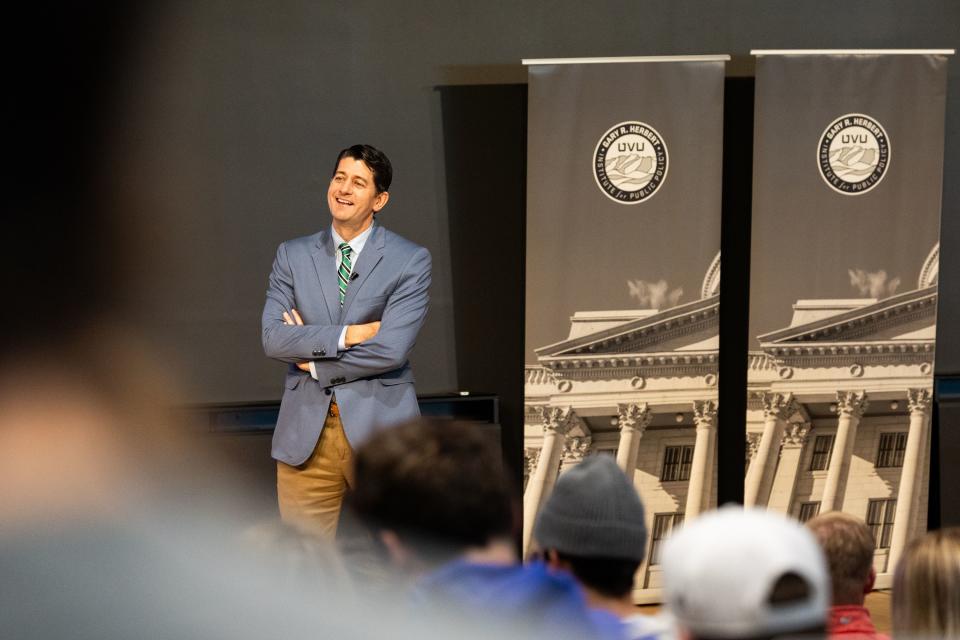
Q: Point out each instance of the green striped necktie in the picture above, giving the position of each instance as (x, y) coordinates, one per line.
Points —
(346, 268)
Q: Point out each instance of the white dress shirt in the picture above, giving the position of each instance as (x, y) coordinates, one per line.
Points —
(356, 245)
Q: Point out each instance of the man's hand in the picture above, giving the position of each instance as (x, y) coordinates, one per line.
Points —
(357, 333)
(303, 366)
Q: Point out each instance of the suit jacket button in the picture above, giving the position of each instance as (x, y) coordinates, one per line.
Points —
(327, 391)
(334, 380)
(319, 352)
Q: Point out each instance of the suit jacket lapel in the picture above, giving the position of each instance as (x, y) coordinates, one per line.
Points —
(325, 260)
(368, 260)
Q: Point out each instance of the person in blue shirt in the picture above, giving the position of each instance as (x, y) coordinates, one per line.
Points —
(593, 526)
(435, 495)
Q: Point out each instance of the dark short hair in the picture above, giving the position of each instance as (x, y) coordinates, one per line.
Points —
(612, 577)
(376, 160)
(436, 484)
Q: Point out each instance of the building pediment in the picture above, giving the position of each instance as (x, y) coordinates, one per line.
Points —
(691, 327)
(900, 328)
(908, 316)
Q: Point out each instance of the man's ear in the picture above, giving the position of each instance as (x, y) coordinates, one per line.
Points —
(871, 578)
(553, 561)
(380, 201)
(399, 553)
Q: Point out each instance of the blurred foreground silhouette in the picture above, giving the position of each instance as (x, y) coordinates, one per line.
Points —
(116, 521)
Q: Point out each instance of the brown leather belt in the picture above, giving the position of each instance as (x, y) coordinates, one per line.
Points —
(334, 411)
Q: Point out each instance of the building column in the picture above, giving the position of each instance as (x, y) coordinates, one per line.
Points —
(530, 457)
(791, 452)
(753, 443)
(705, 417)
(777, 407)
(574, 449)
(632, 419)
(851, 406)
(919, 401)
(557, 422)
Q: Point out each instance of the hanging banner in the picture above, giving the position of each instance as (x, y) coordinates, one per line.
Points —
(623, 280)
(848, 169)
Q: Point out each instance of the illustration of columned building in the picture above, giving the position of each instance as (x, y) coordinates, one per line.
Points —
(838, 412)
(641, 386)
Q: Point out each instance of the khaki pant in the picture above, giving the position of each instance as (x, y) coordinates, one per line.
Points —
(311, 494)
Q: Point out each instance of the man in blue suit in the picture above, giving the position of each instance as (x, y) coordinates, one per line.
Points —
(343, 310)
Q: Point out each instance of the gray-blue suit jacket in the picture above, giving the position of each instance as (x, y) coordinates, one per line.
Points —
(372, 381)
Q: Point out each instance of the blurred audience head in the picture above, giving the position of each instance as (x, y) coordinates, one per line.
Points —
(926, 587)
(67, 251)
(848, 545)
(432, 490)
(745, 574)
(593, 525)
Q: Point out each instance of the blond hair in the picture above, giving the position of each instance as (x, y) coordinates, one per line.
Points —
(926, 586)
(848, 545)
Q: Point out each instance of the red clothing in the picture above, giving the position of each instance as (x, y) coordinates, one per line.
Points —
(852, 621)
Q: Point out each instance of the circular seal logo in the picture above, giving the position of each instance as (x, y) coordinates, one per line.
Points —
(853, 154)
(630, 162)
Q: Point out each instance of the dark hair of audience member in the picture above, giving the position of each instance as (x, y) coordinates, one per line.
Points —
(68, 249)
(437, 485)
(612, 577)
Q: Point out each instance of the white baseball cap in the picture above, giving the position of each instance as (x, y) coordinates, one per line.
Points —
(721, 569)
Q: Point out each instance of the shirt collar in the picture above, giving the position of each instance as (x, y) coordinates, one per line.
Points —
(357, 243)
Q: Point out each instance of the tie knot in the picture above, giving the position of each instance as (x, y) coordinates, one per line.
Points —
(345, 249)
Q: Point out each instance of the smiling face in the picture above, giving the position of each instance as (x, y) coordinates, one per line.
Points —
(353, 197)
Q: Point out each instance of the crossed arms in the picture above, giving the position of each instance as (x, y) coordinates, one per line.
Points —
(385, 350)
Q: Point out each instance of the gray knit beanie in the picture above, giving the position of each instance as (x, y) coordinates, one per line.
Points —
(594, 511)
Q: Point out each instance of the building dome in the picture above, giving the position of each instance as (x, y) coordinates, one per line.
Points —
(711, 281)
(931, 269)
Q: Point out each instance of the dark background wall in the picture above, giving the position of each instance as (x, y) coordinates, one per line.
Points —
(234, 109)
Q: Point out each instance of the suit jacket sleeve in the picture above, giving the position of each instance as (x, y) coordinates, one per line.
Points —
(402, 318)
(291, 343)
